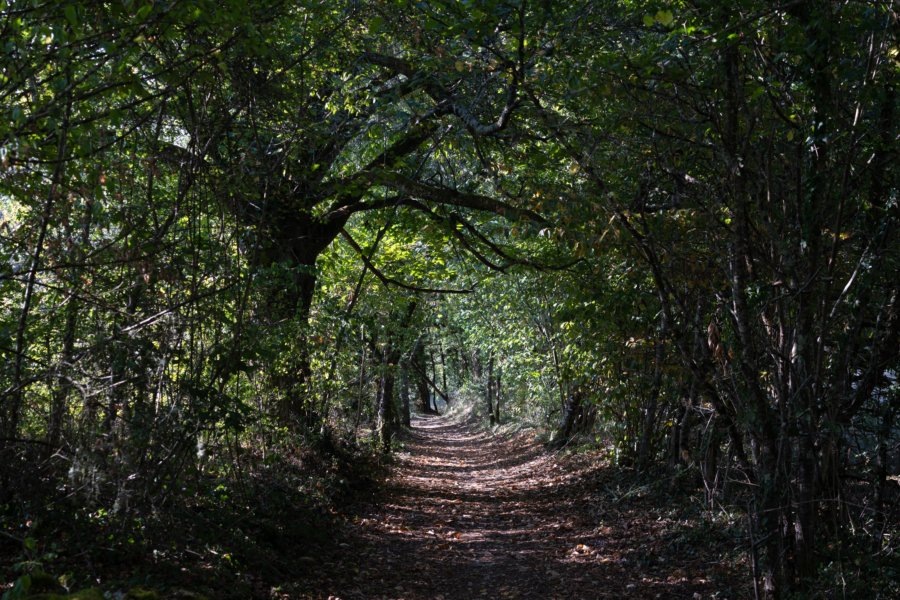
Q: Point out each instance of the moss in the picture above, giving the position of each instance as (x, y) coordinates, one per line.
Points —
(140, 593)
(186, 595)
(137, 593)
(43, 582)
(88, 594)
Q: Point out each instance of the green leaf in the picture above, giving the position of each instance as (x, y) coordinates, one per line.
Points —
(665, 17)
(649, 20)
(71, 15)
(20, 589)
(143, 12)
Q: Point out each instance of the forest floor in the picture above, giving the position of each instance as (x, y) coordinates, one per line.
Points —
(468, 514)
(461, 512)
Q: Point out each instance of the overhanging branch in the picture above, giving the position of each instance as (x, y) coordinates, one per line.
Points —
(446, 99)
(389, 281)
(454, 197)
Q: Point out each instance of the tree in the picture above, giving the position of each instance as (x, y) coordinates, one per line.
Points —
(306, 143)
(752, 142)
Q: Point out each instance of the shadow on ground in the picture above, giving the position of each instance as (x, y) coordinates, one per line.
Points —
(467, 514)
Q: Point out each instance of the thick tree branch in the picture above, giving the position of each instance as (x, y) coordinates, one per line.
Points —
(421, 372)
(453, 197)
(496, 249)
(455, 218)
(352, 190)
(389, 281)
(447, 102)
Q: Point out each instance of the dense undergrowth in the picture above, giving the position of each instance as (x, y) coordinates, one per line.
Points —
(235, 530)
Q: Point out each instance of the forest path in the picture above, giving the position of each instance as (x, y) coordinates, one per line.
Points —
(466, 514)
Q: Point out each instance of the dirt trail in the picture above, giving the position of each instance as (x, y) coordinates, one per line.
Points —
(470, 515)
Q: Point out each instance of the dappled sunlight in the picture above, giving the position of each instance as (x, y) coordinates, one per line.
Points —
(468, 514)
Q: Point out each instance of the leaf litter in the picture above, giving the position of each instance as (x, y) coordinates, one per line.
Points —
(468, 514)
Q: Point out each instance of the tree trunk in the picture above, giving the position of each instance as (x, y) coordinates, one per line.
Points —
(680, 434)
(385, 412)
(497, 397)
(578, 417)
(11, 408)
(63, 384)
(648, 423)
(434, 378)
(489, 382)
(404, 396)
(291, 242)
(362, 378)
(476, 364)
(419, 366)
(444, 369)
(294, 408)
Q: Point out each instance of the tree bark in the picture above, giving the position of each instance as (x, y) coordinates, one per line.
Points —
(404, 396)
(578, 417)
(386, 415)
(489, 384)
(496, 419)
(422, 381)
(649, 422)
(444, 370)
